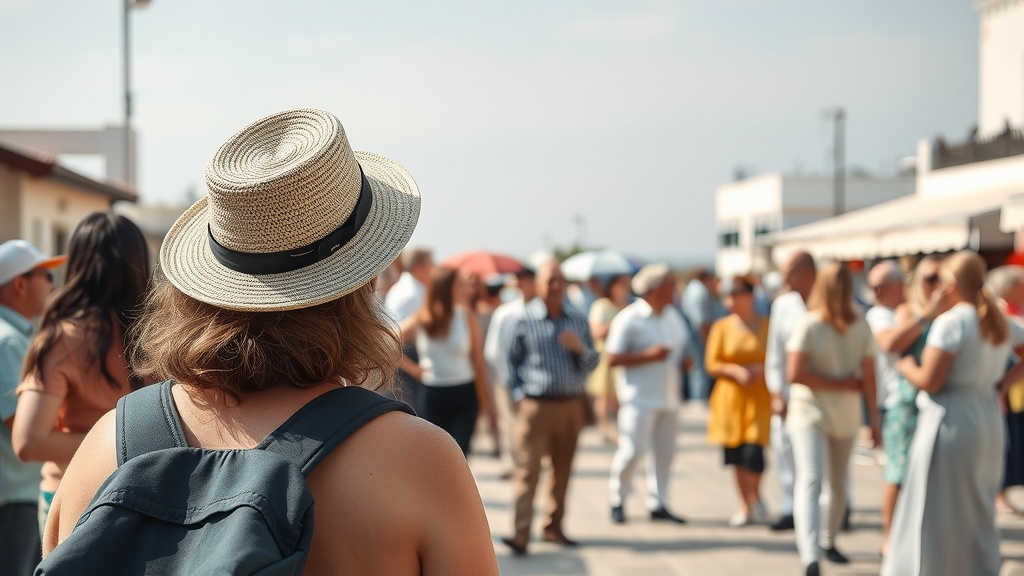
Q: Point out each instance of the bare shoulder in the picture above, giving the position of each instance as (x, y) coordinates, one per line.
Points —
(94, 461)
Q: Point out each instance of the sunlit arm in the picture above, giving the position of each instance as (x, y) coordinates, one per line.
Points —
(34, 436)
(931, 374)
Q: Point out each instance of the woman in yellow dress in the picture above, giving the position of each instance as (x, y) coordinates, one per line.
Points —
(740, 404)
(601, 383)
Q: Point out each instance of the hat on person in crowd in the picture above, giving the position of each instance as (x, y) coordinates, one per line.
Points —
(19, 257)
(649, 277)
(294, 218)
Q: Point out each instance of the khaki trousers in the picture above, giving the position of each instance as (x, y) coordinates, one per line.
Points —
(544, 427)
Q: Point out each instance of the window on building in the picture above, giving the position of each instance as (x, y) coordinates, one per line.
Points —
(729, 239)
(764, 225)
(60, 239)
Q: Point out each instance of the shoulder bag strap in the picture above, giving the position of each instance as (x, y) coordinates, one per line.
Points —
(325, 422)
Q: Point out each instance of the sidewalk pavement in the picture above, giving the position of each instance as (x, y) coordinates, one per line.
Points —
(702, 491)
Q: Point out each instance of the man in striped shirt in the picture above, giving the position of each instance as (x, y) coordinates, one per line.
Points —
(550, 355)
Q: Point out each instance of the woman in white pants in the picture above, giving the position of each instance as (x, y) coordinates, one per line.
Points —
(830, 363)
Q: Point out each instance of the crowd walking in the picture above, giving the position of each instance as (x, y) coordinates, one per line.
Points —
(275, 362)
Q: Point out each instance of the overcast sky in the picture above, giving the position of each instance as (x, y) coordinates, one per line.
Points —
(514, 116)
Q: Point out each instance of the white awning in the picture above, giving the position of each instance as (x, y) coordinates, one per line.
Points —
(1012, 218)
(908, 225)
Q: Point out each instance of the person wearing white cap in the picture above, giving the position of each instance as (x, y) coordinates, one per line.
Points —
(268, 308)
(646, 346)
(26, 281)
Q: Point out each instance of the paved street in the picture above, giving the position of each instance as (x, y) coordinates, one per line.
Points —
(702, 491)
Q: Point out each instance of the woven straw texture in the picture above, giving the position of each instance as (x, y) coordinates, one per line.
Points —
(281, 183)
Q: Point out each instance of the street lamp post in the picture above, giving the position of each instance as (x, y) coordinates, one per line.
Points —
(129, 176)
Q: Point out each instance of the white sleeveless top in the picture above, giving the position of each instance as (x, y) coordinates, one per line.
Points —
(446, 361)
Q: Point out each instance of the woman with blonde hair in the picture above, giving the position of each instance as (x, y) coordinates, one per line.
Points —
(944, 522)
(447, 335)
(914, 317)
(831, 363)
(267, 321)
(741, 411)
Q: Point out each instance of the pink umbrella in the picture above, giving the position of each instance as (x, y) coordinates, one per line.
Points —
(483, 263)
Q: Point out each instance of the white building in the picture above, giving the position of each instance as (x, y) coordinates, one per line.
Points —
(967, 195)
(1000, 65)
(749, 210)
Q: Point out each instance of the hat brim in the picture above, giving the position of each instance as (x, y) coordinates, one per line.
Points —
(51, 263)
(189, 264)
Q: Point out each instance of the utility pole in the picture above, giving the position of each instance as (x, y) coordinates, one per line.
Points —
(129, 176)
(581, 231)
(838, 117)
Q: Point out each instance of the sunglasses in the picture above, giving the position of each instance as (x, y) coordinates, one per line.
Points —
(44, 273)
(931, 279)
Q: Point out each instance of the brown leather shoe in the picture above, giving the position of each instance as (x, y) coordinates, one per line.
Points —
(517, 548)
(558, 538)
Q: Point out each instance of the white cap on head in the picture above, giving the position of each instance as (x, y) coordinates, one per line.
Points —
(650, 277)
(19, 256)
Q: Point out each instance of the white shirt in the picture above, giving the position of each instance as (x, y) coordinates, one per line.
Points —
(446, 361)
(977, 365)
(636, 328)
(405, 297)
(880, 319)
(496, 344)
(788, 310)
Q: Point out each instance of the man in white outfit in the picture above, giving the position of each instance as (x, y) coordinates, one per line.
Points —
(646, 346)
(798, 275)
(496, 347)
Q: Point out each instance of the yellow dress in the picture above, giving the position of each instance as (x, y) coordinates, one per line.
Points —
(738, 414)
(601, 381)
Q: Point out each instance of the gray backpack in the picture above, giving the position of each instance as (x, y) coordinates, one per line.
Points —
(173, 510)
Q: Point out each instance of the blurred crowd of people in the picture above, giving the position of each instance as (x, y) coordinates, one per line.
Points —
(924, 362)
(920, 363)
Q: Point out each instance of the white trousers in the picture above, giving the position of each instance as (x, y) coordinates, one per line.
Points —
(640, 429)
(785, 470)
(813, 450)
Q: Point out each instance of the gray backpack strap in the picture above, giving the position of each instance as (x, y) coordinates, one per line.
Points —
(146, 421)
(325, 422)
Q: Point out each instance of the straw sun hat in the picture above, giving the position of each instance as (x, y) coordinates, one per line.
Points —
(294, 218)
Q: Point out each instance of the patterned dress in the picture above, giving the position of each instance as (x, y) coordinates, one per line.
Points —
(901, 421)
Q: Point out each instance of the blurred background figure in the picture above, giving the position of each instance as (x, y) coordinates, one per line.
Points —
(76, 367)
(582, 295)
(740, 415)
(646, 345)
(615, 293)
(496, 347)
(699, 311)
(1007, 284)
(26, 280)
(488, 299)
(450, 366)
(905, 335)
(797, 275)
(956, 459)
(885, 280)
(402, 301)
(550, 355)
(831, 366)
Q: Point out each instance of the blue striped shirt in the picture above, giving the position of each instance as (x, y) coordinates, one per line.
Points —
(539, 365)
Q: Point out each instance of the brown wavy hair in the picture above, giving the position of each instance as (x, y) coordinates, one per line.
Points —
(183, 339)
(832, 296)
(438, 308)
